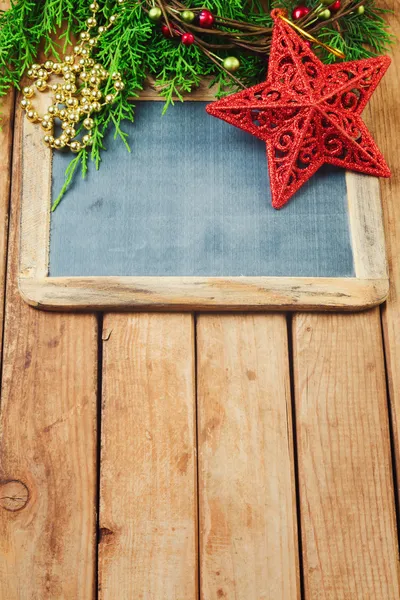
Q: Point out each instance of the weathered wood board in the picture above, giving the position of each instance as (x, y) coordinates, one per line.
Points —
(247, 495)
(48, 442)
(148, 473)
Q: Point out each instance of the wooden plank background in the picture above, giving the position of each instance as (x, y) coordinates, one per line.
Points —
(171, 457)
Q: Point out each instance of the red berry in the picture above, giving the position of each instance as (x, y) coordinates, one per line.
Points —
(205, 19)
(299, 12)
(167, 33)
(187, 39)
(335, 6)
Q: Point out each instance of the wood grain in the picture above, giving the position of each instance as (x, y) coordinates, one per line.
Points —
(248, 530)
(47, 444)
(6, 136)
(350, 547)
(194, 293)
(148, 510)
(384, 120)
(366, 226)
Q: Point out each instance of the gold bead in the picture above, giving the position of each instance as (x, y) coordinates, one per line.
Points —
(64, 125)
(49, 65)
(77, 68)
(119, 85)
(47, 125)
(48, 140)
(28, 92)
(89, 62)
(101, 29)
(82, 62)
(91, 22)
(25, 103)
(70, 132)
(68, 76)
(32, 116)
(115, 75)
(42, 74)
(72, 102)
(55, 87)
(84, 35)
(85, 108)
(93, 42)
(69, 60)
(62, 114)
(73, 116)
(75, 146)
(53, 110)
(97, 95)
(30, 73)
(113, 18)
(64, 137)
(96, 106)
(86, 92)
(56, 68)
(77, 50)
(120, 2)
(66, 68)
(35, 67)
(85, 52)
(88, 123)
(87, 140)
(59, 97)
(110, 98)
(70, 88)
(41, 84)
(59, 143)
(94, 7)
(94, 80)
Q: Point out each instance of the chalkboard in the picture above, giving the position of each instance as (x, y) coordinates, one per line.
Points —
(191, 203)
(192, 199)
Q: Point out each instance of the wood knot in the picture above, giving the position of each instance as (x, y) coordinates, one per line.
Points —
(14, 495)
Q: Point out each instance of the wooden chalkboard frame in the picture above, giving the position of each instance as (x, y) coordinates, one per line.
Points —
(368, 288)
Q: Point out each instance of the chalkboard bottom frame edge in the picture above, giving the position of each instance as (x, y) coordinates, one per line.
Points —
(191, 294)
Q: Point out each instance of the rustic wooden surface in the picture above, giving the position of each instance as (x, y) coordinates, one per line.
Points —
(148, 477)
(272, 507)
(247, 492)
(6, 133)
(386, 129)
(346, 489)
(47, 444)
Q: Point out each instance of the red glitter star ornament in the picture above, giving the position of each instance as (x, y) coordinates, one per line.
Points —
(308, 113)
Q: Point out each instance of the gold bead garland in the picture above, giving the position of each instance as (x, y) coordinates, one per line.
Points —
(73, 104)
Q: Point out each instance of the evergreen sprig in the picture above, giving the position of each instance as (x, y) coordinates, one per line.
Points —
(136, 48)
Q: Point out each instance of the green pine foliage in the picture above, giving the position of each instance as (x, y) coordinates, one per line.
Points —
(135, 47)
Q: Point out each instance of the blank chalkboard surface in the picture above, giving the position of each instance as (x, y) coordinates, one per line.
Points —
(193, 199)
(185, 221)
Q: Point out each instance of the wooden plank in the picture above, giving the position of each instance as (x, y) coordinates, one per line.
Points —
(148, 495)
(383, 120)
(195, 293)
(47, 443)
(36, 185)
(366, 226)
(346, 490)
(248, 528)
(6, 135)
